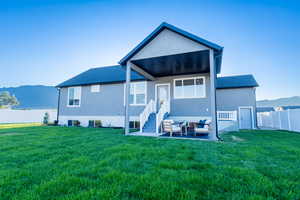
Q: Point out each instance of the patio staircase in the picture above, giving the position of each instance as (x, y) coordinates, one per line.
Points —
(150, 119)
(150, 125)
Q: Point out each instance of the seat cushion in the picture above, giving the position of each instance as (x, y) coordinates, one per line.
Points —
(201, 130)
(201, 123)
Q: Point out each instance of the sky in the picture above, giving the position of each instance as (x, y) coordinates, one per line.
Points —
(46, 42)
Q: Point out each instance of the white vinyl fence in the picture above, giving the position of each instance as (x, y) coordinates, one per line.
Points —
(26, 116)
(283, 120)
(227, 121)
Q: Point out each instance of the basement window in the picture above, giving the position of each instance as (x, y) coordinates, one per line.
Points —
(73, 123)
(134, 124)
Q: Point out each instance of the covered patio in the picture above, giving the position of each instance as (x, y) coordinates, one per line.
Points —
(157, 59)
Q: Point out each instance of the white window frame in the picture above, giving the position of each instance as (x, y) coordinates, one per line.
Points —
(134, 98)
(95, 88)
(189, 97)
(68, 99)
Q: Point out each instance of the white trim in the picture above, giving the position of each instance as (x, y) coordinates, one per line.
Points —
(146, 91)
(169, 91)
(72, 106)
(252, 117)
(191, 97)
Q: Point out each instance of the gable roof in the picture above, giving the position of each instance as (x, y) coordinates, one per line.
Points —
(101, 75)
(179, 31)
(117, 74)
(240, 81)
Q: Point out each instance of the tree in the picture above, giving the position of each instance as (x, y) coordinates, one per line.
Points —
(7, 100)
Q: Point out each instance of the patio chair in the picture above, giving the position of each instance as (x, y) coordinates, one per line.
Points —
(203, 130)
(169, 126)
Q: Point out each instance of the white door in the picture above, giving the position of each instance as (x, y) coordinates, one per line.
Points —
(163, 94)
(245, 116)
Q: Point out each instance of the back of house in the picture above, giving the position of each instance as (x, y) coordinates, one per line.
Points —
(173, 76)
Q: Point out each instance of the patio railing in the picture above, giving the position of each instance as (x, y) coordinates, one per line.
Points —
(150, 108)
(227, 115)
(165, 108)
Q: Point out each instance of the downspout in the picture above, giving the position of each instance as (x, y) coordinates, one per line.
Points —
(217, 131)
(58, 105)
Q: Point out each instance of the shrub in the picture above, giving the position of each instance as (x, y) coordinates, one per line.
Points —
(46, 119)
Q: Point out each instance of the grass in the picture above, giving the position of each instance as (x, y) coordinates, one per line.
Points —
(83, 163)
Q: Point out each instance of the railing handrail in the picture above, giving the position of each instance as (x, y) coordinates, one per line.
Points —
(165, 108)
(227, 115)
(150, 108)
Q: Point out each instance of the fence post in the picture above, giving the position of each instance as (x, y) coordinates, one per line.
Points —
(279, 116)
(289, 119)
(272, 123)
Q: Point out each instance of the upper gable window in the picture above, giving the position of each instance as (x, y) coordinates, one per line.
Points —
(74, 96)
(95, 88)
(189, 88)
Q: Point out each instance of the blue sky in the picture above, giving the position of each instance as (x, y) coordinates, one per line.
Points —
(46, 42)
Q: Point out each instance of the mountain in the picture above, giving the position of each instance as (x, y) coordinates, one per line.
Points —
(34, 97)
(289, 101)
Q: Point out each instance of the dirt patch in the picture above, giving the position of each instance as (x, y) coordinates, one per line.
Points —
(237, 139)
(10, 133)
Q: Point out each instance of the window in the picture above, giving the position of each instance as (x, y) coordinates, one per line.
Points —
(70, 123)
(95, 123)
(73, 123)
(91, 123)
(95, 88)
(189, 88)
(98, 123)
(138, 92)
(74, 96)
(134, 124)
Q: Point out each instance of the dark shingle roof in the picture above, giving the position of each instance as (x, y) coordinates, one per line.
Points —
(240, 81)
(101, 75)
(117, 74)
(264, 109)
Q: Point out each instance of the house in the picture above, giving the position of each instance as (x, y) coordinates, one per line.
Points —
(172, 74)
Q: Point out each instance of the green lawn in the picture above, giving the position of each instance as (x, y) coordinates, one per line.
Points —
(82, 163)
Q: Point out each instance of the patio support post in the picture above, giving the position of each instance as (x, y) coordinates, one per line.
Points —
(127, 93)
(213, 77)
